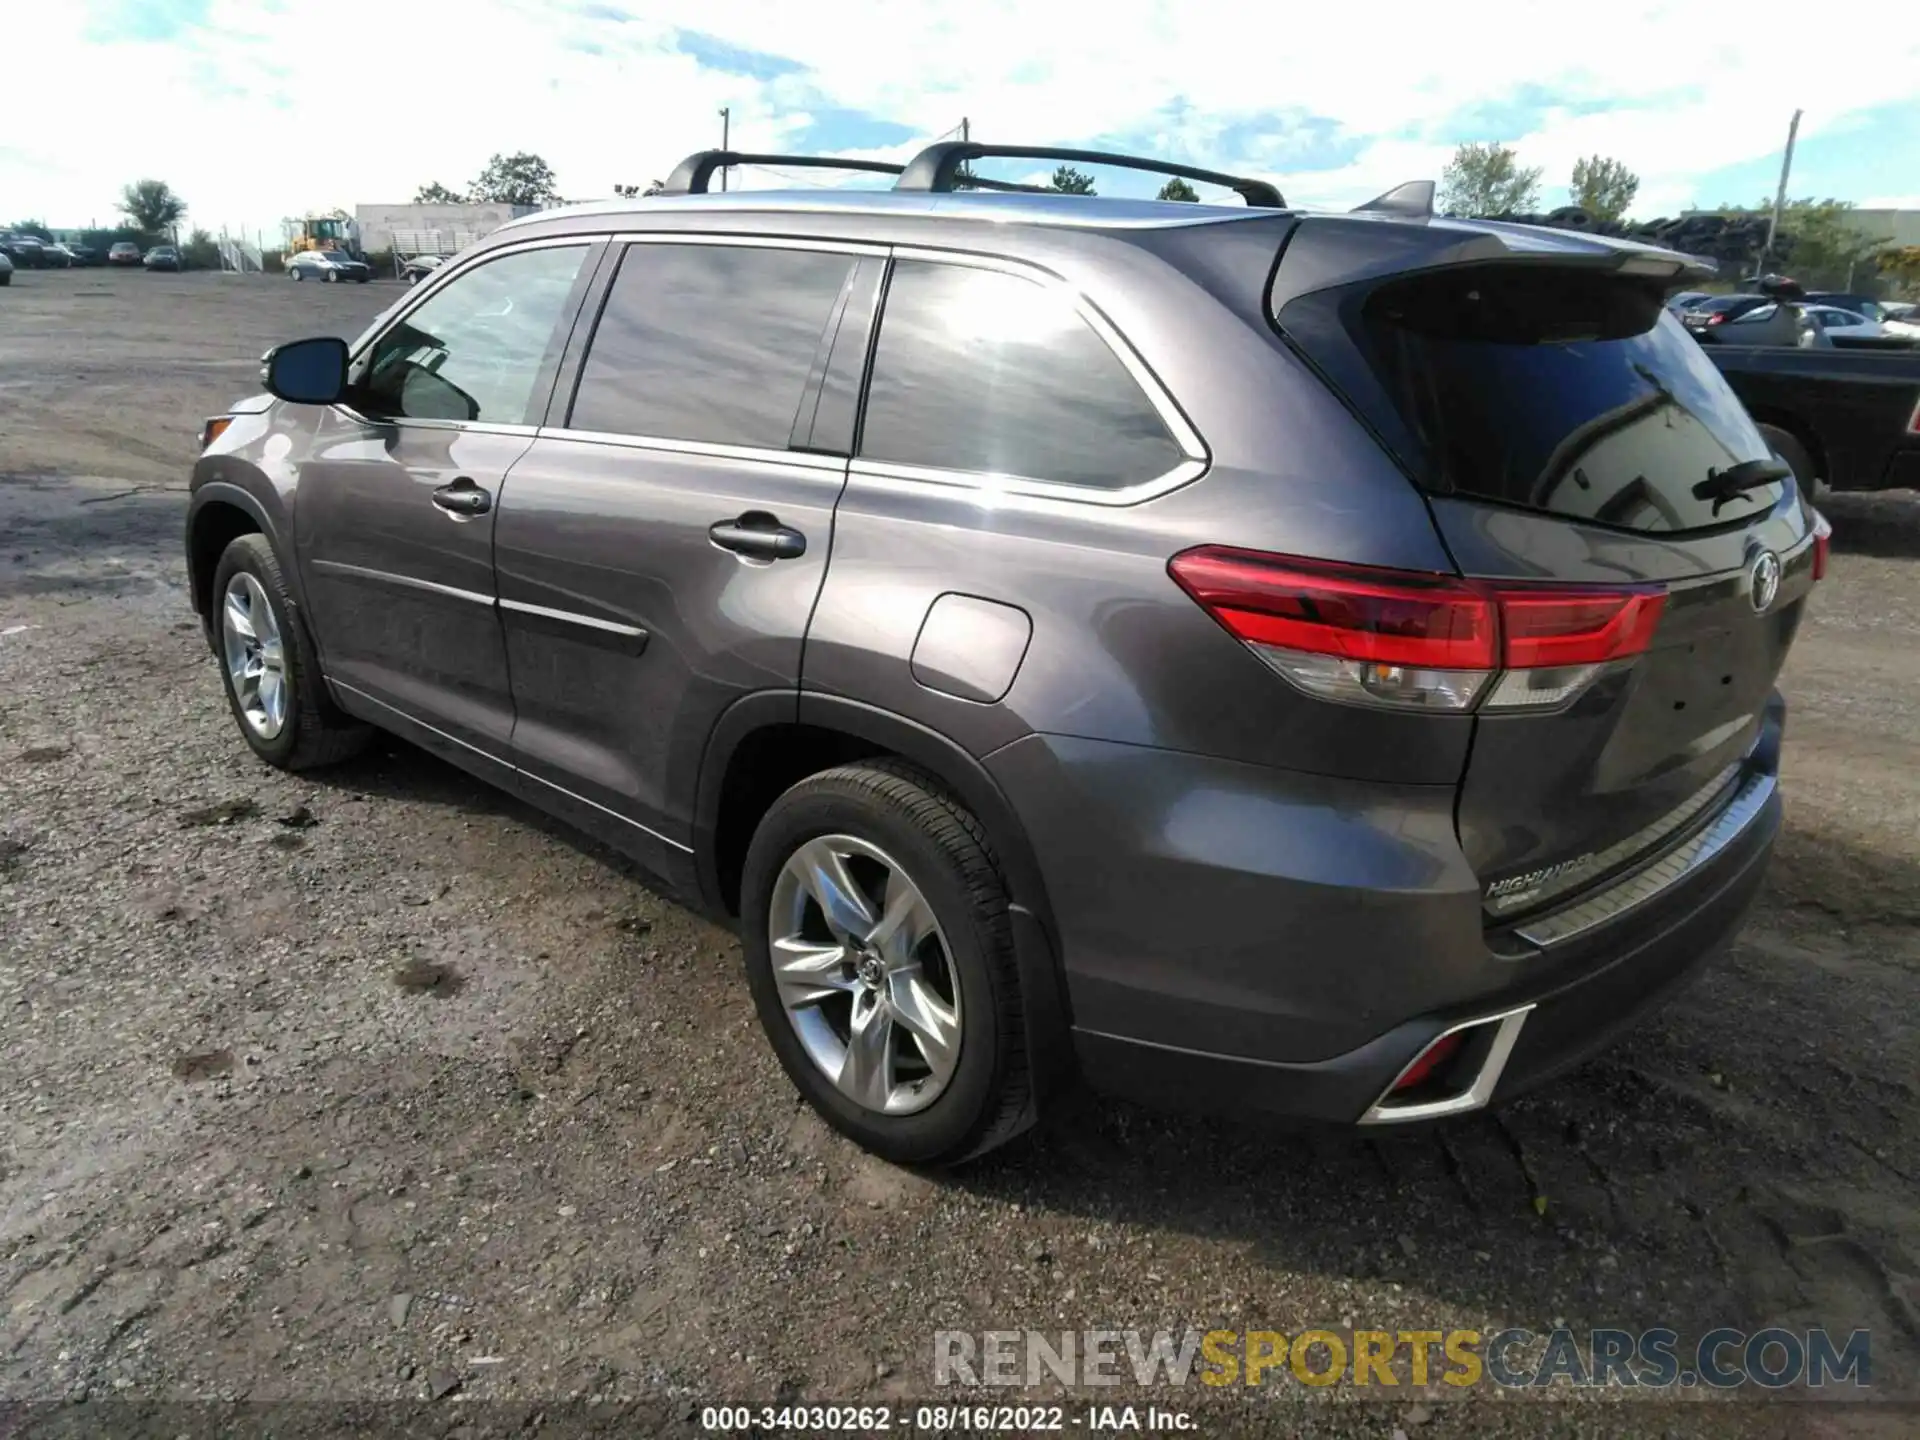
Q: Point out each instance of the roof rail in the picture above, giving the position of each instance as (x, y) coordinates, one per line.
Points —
(1412, 201)
(938, 168)
(694, 175)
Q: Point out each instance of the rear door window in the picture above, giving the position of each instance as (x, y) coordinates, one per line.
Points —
(708, 343)
(1546, 388)
(988, 373)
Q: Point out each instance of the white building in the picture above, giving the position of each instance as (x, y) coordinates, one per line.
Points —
(430, 229)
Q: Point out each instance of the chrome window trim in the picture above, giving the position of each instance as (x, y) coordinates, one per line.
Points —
(1179, 427)
(700, 449)
(745, 241)
(409, 582)
(1652, 881)
(592, 622)
(987, 486)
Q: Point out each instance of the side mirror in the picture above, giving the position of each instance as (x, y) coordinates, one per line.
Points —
(307, 372)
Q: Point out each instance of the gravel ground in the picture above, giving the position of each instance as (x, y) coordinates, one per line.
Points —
(376, 1086)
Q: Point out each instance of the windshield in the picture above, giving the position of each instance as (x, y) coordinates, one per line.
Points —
(1547, 388)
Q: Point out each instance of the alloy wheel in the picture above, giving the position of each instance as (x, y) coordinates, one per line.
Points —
(255, 658)
(865, 975)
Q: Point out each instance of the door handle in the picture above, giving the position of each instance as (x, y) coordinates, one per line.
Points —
(463, 497)
(759, 535)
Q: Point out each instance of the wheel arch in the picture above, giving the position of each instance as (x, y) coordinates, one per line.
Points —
(219, 512)
(804, 734)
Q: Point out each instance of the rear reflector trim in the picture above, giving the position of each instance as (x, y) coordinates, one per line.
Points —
(1822, 545)
(1486, 1077)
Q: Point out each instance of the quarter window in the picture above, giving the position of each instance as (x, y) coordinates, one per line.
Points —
(708, 343)
(477, 349)
(981, 371)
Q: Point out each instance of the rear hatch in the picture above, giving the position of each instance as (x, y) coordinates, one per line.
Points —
(1568, 432)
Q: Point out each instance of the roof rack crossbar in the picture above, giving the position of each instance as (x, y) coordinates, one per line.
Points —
(694, 175)
(938, 168)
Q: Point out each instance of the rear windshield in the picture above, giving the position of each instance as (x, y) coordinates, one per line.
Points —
(1547, 388)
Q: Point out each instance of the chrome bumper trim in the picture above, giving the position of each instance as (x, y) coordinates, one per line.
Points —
(1384, 1112)
(1669, 870)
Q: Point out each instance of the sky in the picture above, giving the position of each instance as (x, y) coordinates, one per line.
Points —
(255, 110)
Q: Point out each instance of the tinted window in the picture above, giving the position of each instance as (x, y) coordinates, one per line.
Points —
(708, 342)
(1551, 389)
(982, 371)
(476, 349)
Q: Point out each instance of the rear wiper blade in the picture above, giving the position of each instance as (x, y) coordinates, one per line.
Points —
(1724, 486)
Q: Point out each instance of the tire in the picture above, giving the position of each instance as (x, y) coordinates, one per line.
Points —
(333, 277)
(967, 956)
(310, 732)
(1788, 447)
(295, 272)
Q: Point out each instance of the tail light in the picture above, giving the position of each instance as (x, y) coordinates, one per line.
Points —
(1913, 421)
(1408, 639)
(1822, 545)
(1428, 1061)
(1718, 317)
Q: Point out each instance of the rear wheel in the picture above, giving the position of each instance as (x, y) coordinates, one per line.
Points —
(880, 956)
(296, 272)
(333, 277)
(272, 674)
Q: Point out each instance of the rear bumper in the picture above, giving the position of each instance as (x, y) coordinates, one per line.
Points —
(1277, 993)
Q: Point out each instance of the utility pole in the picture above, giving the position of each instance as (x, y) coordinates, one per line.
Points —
(726, 126)
(966, 130)
(1779, 196)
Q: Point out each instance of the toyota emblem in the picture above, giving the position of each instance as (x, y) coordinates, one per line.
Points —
(1764, 581)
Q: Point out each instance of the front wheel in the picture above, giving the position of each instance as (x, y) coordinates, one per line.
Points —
(880, 956)
(297, 273)
(272, 673)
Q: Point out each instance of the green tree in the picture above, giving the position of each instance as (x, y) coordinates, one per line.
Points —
(1819, 242)
(1069, 181)
(437, 194)
(522, 179)
(34, 228)
(1901, 264)
(201, 251)
(1603, 187)
(1488, 180)
(152, 207)
(1177, 189)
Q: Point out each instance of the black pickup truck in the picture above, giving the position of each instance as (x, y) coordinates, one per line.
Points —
(1848, 417)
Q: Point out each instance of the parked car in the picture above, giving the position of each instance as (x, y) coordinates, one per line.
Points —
(1686, 300)
(1099, 735)
(331, 265)
(82, 254)
(27, 252)
(54, 255)
(420, 267)
(1865, 305)
(6, 269)
(1845, 419)
(1720, 310)
(163, 257)
(123, 252)
(1833, 321)
(1903, 321)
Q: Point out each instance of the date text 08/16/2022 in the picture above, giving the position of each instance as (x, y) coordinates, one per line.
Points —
(945, 1419)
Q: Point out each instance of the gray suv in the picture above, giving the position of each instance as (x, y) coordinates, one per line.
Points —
(1314, 664)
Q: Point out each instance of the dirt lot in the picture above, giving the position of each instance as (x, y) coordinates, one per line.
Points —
(374, 1085)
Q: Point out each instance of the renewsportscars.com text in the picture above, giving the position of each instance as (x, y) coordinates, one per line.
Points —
(1772, 1358)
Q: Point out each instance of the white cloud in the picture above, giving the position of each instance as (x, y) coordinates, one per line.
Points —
(263, 113)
